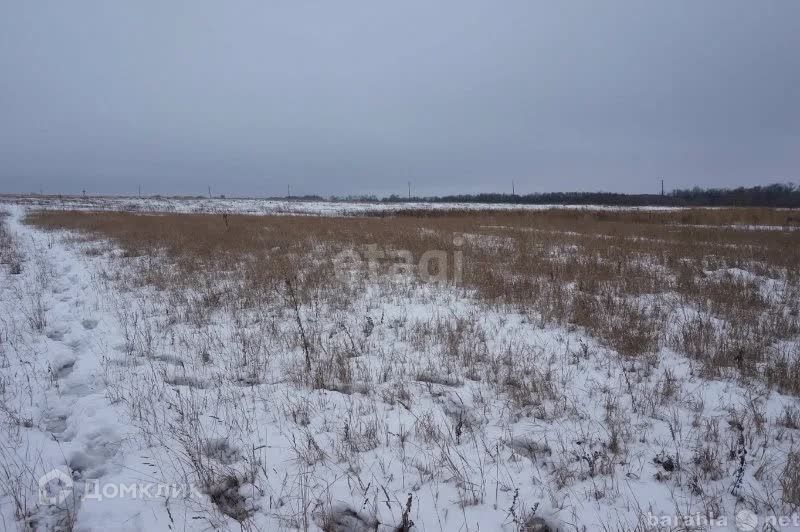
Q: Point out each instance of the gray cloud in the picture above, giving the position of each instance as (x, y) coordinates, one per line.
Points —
(360, 97)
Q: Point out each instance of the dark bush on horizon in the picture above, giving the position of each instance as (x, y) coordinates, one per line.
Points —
(775, 195)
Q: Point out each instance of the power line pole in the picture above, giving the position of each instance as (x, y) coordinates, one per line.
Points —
(209, 191)
(513, 191)
(409, 190)
(662, 187)
(140, 191)
(289, 191)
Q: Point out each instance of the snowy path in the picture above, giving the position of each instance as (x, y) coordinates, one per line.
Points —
(60, 332)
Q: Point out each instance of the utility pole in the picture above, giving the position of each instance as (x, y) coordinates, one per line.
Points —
(289, 191)
(409, 190)
(140, 191)
(513, 192)
(209, 191)
(662, 187)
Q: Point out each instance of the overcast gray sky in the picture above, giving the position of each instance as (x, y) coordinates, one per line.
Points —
(347, 97)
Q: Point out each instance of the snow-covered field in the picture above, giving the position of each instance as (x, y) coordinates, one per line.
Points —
(140, 391)
(263, 206)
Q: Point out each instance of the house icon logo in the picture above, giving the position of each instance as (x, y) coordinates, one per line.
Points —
(54, 487)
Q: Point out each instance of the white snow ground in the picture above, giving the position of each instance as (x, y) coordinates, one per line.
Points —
(108, 387)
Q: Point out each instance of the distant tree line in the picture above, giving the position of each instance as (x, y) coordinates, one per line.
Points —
(775, 195)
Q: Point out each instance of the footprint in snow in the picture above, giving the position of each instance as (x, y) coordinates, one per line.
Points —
(57, 334)
(65, 369)
(56, 424)
(93, 460)
(75, 345)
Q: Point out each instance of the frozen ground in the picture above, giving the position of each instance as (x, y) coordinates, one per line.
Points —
(432, 412)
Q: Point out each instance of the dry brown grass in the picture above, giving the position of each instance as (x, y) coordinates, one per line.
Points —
(9, 254)
(635, 280)
(759, 216)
